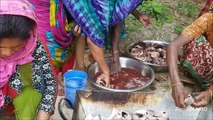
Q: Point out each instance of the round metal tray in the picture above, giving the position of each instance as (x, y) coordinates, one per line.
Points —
(156, 67)
(125, 63)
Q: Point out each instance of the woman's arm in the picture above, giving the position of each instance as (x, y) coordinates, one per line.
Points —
(98, 54)
(79, 61)
(49, 86)
(144, 19)
(178, 91)
(198, 27)
(115, 37)
(172, 56)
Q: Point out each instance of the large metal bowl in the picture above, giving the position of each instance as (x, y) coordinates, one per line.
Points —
(156, 67)
(125, 63)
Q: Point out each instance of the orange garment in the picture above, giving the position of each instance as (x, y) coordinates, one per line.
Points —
(199, 52)
(202, 25)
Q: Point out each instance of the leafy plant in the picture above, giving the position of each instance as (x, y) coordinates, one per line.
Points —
(157, 10)
(132, 24)
(187, 8)
(178, 29)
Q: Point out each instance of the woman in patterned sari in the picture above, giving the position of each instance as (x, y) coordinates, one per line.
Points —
(96, 18)
(56, 28)
(27, 83)
(197, 41)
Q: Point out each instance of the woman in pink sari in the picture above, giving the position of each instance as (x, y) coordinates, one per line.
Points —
(57, 29)
(27, 82)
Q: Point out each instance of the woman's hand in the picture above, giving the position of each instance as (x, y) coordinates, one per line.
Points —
(76, 30)
(103, 79)
(202, 99)
(145, 20)
(41, 115)
(179, 94)
(98, 55)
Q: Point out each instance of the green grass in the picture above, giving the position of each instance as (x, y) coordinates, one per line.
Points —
(178, 28)
(158, 11)
(188, 9)
(132, 24)
(174, 15)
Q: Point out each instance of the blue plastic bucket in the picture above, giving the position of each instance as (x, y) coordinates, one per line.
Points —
(74, 80)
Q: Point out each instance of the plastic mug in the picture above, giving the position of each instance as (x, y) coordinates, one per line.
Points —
(74, 80)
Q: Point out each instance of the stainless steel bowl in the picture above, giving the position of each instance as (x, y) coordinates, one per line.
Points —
(156, 67)
(125, 63)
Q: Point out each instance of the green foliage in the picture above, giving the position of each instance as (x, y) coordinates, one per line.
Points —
(178, 29)
(188, 9)
(157, 10)
(132, 24)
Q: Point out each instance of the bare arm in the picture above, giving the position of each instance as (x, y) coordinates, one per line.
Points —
(79, 62)
(172, 56)
(115, 68)
(136, 14)
(144, 19)
(198, 27)
(98, 54)
(178, 91)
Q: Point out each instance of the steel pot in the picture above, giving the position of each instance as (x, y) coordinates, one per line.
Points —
(125, 63)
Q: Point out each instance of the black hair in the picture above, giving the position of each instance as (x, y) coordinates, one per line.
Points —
(14, 26)
(68, 15)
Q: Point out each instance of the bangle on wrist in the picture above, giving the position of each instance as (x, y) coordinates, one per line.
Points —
(178, 83)
(106, 74)
(115, 52)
